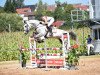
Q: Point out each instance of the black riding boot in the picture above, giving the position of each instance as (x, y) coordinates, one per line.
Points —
(50, 30)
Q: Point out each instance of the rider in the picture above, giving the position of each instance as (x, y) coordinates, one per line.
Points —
(47, 20)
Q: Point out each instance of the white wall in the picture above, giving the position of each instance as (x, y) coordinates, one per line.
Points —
(94, 8)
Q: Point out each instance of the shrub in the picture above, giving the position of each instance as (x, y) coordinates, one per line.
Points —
(13, 19)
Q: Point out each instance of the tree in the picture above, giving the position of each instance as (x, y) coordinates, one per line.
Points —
(59, 12)
(67, 12)
(7, 6)
(1, 9)
(19, 3)
(58, 3)
(11, 5)
(14, 20)
(40, 9)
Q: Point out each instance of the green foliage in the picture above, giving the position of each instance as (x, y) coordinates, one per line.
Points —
(40, 9)
(58, 3)
(19, 3)
(7, 6)
(82, 50)
(13, 19)
(66, 26)
(67, 12)
(11, 5)
(1, 9)
(73, 57)
(49, 13)
(58, 13)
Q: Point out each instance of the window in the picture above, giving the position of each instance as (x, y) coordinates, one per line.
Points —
(95, 34)
(31, 17)
(99, 33)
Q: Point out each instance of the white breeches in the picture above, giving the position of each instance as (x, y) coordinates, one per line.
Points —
(51, 22)
(89, 47)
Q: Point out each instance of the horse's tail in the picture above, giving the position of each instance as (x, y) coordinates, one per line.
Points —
(73, 35)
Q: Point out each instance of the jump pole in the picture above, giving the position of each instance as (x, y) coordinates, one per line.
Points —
(63, 48)
(46, 62)
(33, 51)
(66, 41)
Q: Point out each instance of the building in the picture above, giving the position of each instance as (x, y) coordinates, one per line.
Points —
(21, 11)
(81, 7)
(32, 7)
(25, 12)
(51, 7)
(94, 10)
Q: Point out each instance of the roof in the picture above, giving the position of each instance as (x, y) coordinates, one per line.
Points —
(32, 7)
(23, 10)
(58, 23)
(81, 7)
(51, 7)
(91, 22)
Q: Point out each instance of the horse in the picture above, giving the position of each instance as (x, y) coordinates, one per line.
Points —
(42, 32)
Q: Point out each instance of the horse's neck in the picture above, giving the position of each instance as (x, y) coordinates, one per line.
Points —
(33, 23)
(29, 24)
(37, 24)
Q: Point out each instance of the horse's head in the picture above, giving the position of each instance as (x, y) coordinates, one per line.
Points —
(26, 28)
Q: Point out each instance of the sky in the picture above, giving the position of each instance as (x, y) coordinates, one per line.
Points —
(31, 2)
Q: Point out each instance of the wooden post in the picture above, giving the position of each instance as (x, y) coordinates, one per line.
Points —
(9, 28)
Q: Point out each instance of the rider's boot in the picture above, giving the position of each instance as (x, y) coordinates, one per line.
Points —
(50, 30)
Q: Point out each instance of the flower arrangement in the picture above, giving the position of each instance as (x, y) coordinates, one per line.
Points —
(73, 56)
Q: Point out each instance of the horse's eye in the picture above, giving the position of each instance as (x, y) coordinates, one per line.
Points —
(25, 26)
